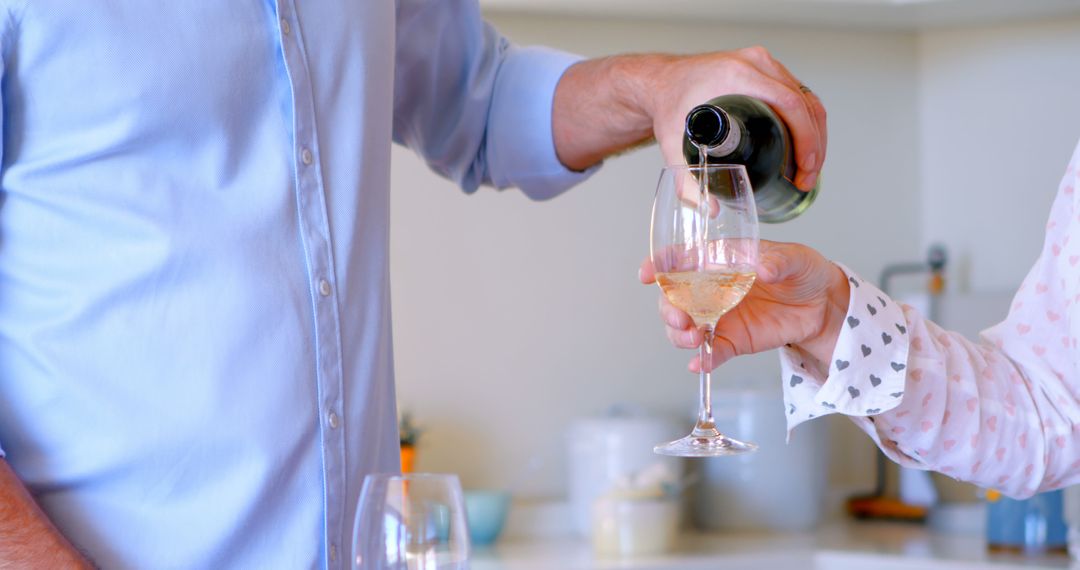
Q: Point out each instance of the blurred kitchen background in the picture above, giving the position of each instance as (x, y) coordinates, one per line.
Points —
(950, 122)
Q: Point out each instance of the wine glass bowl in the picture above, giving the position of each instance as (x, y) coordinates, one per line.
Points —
(704, 250)
(414, 521)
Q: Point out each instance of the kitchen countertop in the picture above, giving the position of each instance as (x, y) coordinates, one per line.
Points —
(838, 546)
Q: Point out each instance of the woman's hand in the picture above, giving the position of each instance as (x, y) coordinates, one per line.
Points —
(799, 298)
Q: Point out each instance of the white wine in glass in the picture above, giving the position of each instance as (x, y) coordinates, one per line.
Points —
(704, 248)
(705, 295)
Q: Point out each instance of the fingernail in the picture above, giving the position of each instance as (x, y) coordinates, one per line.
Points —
(640, 274)
(810, 181)
(812, 160)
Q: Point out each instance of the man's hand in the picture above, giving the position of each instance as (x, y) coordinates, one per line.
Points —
(799, 298)
(603, 106)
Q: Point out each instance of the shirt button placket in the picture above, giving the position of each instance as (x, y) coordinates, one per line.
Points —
(315, 231)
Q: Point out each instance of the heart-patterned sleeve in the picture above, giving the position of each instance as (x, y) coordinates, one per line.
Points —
(1003, 412)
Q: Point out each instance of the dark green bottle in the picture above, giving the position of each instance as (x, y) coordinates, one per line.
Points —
(736, 129)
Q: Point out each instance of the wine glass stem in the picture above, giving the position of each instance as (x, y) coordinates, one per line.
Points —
(705, 417)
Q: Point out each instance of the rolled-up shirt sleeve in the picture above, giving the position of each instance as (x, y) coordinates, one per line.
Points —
(476, 107)
(1003, 412)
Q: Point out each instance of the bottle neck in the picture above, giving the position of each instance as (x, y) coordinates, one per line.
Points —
(714, 129)
(730, 143)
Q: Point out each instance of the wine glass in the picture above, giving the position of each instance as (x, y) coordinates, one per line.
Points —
(414, 521)
(704, 246)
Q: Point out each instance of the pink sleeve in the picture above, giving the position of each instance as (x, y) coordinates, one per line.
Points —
(1003, 413)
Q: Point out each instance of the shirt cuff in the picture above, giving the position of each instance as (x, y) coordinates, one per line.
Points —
(867, 370)
(521, 147)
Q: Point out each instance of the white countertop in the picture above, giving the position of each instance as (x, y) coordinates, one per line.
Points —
(841, 546)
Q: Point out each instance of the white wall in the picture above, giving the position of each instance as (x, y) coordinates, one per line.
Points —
(1000, 116)
(514, 318)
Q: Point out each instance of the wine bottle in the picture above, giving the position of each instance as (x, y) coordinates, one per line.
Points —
(737, 129)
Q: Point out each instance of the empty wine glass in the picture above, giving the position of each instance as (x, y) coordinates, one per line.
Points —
(704, 247)
(414, 521)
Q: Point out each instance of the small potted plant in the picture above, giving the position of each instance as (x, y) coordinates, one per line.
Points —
(409, 434)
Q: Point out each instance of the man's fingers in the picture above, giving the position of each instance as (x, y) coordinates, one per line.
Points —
(820, 118)
(792, 108)
(766, 63)
(813, 102)
(809, 152)
(671, 148)
(799, 107)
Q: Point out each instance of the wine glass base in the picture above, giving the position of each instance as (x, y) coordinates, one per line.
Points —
(705, 446)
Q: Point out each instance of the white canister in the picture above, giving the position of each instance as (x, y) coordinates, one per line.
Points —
(634, 527)
(606, 450)
(780, 487)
